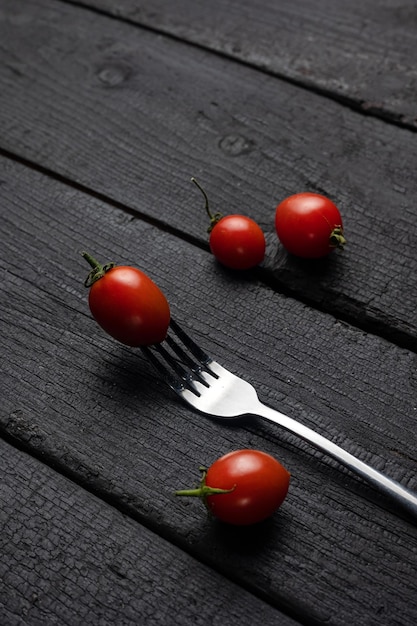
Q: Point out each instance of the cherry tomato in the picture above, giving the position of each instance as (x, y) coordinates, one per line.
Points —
(309, 225)
(243, 487)
(127, 304)
(236, 241)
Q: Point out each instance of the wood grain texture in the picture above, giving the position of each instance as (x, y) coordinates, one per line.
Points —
(68, 558)
(362, 52)
(92, 409)
(131, 115)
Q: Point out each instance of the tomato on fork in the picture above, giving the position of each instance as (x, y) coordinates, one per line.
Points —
(127, 304)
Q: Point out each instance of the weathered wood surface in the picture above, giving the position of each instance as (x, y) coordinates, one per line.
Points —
(91, 409)
(103, 122)
(69, 558)
(131, 115)
(362, 51)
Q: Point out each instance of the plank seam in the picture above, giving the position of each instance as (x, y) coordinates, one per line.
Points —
(358, 106)
(382, 328)
(45, 457)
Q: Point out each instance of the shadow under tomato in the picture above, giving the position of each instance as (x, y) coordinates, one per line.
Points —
(247, 540)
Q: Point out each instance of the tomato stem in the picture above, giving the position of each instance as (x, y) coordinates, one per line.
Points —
(337, 239)
(97, 271)
(213, 218)
(203, 490)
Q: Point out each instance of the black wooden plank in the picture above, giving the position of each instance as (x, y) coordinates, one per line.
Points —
(362, 52)
(335, 552)
(68, 558)
(133, 115)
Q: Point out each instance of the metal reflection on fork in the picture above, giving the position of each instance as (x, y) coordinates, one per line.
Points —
(212, 389)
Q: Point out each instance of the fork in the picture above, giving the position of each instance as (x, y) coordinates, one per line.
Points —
(212, 389)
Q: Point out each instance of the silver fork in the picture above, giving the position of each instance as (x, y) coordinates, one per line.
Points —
(212, 389)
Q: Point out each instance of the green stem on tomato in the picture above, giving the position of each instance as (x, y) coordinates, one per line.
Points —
(213, 218)
(97, 271)
(337, 239)
(203, 490)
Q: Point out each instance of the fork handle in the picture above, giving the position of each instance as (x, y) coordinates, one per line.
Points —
(399, 494)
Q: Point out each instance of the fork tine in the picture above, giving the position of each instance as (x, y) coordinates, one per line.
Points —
(178, 368)
(177, 376)
(182, 354)
(202, 357)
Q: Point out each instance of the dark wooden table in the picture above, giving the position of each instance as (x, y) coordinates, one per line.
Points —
(107, 108)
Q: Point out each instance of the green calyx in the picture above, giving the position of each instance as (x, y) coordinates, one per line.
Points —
(337, 239)
(203, 490)
(97, 270)
(213, 218)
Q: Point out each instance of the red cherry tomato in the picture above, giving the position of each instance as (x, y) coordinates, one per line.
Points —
(236, 241)
(243, 487)
(127, 304)
(309, 225)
